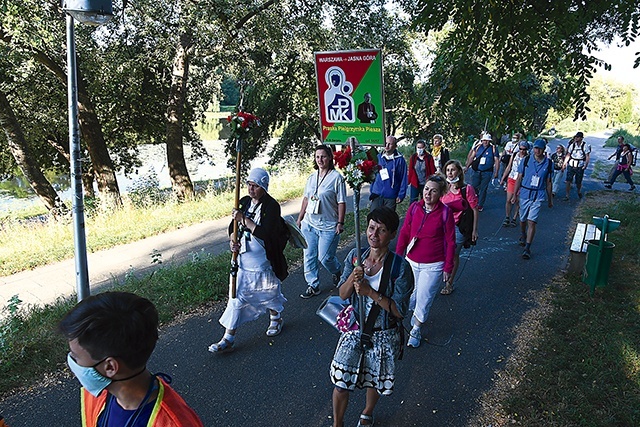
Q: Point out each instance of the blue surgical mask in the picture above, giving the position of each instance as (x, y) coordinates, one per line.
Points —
(420, 151)
(92, 380)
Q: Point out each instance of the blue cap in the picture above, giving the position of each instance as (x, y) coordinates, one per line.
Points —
(539, 143)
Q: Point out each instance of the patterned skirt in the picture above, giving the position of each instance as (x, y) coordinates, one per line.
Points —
(378, 363)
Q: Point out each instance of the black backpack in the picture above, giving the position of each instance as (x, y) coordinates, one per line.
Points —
(465, 224)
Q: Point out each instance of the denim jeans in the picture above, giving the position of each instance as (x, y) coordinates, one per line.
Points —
(480, 181)
(321, 246)
(558, 179)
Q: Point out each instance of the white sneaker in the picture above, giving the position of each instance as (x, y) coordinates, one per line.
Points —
(414, 338)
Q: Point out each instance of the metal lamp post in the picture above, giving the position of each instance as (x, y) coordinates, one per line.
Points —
(92, 12)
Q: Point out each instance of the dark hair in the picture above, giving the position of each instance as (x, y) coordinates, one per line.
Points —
(116, 324)
(329, 153)
(385, 215)
(628, 146)
(421, 141)
(441, 181)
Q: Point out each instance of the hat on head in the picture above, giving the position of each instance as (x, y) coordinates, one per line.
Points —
(539, 143)
(486, 137)
(260, 177)
(524, 144)
(579, 135)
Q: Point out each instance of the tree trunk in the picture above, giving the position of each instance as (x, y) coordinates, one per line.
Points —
(87, 173)
(102, 165)
(25, 160)
(92, 135)
(180, 181)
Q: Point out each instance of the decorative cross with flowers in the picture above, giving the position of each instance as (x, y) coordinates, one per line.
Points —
(241, 124)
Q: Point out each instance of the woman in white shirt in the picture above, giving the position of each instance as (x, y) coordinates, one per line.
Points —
(321, 220)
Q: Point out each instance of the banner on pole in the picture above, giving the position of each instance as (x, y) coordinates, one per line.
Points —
(350, 96)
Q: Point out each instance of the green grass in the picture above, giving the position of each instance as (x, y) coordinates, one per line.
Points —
(582, 367)
(629, 138)
(30, 347)
(28, 245)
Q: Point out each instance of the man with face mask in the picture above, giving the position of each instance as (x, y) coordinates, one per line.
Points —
(111, 337)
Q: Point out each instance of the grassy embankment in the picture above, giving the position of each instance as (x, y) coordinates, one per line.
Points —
(28, 341)
(577, 361)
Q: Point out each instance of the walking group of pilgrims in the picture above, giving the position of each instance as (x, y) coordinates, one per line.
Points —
(393, 288)
(389, 289)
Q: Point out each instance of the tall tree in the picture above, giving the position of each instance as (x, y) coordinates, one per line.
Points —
(36, 29)
(490, 44)
(26, 160)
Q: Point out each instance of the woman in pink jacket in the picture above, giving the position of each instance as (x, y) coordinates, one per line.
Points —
(428, 239)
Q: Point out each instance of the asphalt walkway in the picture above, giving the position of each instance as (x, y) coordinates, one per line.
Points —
(284, 381)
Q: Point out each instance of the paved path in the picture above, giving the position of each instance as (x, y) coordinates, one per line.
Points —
(283, 381)
(45, 284)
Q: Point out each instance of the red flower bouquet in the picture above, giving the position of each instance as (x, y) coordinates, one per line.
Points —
(358, 167)
(241, 124)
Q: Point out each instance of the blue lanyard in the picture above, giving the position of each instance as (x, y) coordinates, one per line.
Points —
(134, 417)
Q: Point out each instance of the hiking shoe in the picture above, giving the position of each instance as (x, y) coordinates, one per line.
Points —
(514, 222)
(414, 338)
(506, 222)
(632, 188)
(310, 292)
(579, 195)
(566, 198)
(526, 254)
(607, 185)
(522, 240)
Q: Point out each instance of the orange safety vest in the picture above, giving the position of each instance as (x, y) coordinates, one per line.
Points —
(170, 410)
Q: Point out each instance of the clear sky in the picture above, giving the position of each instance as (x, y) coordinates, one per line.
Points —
(621, 60)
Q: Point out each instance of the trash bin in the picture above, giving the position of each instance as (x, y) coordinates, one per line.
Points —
(596, 268)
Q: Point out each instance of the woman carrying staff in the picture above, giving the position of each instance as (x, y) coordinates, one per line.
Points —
(385, 281)
(261, 261)
(458, 203)
(321, 219)
(439, 152)
(510, 175)
(421, 166)
(428, 239)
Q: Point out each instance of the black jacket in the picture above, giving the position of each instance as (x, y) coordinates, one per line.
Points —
(272, 230)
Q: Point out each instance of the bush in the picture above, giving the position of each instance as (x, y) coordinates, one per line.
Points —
(146, 192)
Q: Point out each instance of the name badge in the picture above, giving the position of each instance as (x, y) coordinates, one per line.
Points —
(535, 181)
(314, 206)
(384, 174)
(483, 160)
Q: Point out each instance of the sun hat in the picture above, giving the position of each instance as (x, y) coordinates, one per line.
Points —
(260, 177)
(486, 137)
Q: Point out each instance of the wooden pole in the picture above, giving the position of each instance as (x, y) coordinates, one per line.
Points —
(233, 274)
(356, 216)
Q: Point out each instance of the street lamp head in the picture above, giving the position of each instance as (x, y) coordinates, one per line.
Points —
(92, 12)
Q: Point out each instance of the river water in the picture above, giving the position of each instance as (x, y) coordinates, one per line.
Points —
(154, 160)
